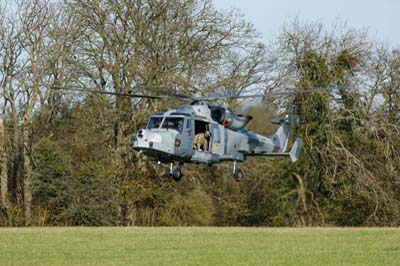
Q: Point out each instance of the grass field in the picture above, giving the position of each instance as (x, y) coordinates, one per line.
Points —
(199, 246)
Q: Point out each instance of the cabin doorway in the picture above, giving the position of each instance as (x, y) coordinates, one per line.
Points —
(202, 139)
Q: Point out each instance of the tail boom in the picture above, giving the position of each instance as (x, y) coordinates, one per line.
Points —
(275, 145)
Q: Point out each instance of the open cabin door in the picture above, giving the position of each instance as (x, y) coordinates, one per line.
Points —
(215, 139)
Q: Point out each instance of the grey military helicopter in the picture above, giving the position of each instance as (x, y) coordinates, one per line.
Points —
(170, 137)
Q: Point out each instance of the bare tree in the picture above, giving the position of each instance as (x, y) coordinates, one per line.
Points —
(10, 66)
(34, 17)
(3, 156)
(162, 47)
(159, 47)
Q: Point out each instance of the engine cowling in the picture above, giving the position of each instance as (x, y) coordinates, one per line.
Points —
(228, 118)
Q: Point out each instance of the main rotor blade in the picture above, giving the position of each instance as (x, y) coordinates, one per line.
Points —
(263, 95)
(175, 96)
(200, 98)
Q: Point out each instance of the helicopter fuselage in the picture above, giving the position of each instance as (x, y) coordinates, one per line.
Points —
(170, 137)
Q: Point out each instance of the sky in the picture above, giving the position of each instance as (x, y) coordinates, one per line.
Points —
(381, 17)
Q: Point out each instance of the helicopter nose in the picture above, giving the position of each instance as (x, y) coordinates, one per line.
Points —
(147, 139)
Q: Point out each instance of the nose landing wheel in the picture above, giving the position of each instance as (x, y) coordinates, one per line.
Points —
(176, 173)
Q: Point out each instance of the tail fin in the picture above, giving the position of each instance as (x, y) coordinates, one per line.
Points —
(282, 135)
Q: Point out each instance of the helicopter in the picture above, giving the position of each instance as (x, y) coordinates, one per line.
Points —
(170, 137)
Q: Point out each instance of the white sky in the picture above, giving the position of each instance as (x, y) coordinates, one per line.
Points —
(381, 17)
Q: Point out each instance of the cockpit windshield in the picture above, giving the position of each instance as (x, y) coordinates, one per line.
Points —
(173, 123)
(154, 122)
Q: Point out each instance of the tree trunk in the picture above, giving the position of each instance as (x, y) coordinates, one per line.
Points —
(27, 173)
(3, 166)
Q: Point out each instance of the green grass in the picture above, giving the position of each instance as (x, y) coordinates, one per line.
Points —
(199, 246)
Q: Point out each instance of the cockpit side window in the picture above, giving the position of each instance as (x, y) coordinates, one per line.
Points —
(173, 123)
(154, 122)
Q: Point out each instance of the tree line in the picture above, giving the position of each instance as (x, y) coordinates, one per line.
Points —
(66, 156)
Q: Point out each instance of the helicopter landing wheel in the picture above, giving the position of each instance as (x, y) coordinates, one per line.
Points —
(238, 174)
(178, 173)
